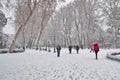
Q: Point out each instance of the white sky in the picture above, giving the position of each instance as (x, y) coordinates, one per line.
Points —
(8, 29)
(63, 4)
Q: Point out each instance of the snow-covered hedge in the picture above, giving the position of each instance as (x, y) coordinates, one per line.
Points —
(18, 50)
(14, 51)
(3, 51)
(114, 56)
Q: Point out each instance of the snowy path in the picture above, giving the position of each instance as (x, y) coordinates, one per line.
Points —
(36, 65)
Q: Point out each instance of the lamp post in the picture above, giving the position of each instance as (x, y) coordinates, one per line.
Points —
(48, 46)
(54, 45)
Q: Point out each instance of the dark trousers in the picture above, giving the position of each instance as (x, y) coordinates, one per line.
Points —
(70, 51)
(58, 53)
(96, 56)
(77, 51)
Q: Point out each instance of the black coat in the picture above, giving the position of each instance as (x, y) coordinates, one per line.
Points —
(77, 47)
(70, 47)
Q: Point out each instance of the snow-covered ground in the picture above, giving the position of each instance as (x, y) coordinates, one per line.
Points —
(41, 65)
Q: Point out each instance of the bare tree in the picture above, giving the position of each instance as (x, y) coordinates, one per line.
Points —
(47, 11)
(111, 10)
(31, 11)
(26, 18)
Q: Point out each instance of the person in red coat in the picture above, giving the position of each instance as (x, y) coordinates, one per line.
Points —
(96, 49)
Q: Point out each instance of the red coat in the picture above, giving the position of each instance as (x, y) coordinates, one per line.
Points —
(96, 47)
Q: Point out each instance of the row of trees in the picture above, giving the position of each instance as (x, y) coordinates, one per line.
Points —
(82, 22)
(31, 17)
(86, 21)
(77, 24)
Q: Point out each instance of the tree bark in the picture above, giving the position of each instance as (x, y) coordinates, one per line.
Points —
(19, 30)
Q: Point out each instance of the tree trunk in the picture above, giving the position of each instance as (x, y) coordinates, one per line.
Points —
(14, 40)
(77, 28)
(84, 40)
(24, 41)
(115, 37)
(19, 30)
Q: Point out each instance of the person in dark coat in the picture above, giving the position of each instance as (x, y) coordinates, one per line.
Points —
(23, 48)
(92, 48)
(96, 49)
(77, 49)
(58, 50)
(70, 49)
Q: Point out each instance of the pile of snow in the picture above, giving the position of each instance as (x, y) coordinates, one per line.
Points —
(42, 65)
(14, 51)
(114, 56)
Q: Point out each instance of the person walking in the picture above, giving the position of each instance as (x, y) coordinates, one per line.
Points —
(58, 50)
(92, 48)
(70, 49)
(96, 50)
(77, 49)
